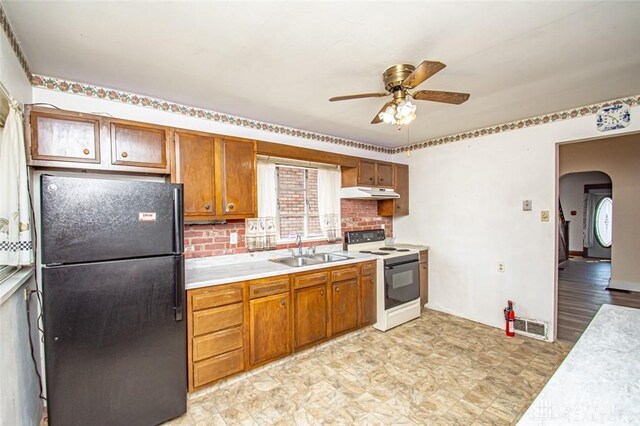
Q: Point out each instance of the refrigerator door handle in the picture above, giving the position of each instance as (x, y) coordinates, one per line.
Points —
(178, 221)
(180, 289)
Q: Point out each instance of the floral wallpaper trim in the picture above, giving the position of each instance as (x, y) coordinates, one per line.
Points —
(13, 41)
(73, 87)
(519, 124)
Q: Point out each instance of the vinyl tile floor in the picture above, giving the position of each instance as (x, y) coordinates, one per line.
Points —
(439, 369)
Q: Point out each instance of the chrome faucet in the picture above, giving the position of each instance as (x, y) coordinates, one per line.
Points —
(299, 243)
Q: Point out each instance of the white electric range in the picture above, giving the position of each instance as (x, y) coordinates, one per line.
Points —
(398, 272)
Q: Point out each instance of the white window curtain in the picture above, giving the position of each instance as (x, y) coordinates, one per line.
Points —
(16, 242)
(260, 232)
(329, 183)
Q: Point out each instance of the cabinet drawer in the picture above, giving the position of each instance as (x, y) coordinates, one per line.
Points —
(308, 280)
(344, 274)
(369, 268)
(216, 296)
(217, 367)
(216, 319)
(217, 343)
(268, 286)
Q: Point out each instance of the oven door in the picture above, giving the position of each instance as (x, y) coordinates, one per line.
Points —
(401, 281)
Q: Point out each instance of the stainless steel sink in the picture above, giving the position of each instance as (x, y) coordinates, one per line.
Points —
(328, 257)
(297, 261)
(312, 259)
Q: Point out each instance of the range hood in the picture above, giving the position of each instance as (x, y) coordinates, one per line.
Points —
(368, 193)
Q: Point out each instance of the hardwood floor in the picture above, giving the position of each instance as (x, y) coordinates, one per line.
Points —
(581, 292)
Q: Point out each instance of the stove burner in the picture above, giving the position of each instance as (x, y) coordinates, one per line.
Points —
(404, 250)
(388, 248)
(364, 251)
(380, 253)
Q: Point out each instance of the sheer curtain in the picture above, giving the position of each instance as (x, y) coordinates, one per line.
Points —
(16, 244)
(329, 183)
(588, 236)
(260, 232)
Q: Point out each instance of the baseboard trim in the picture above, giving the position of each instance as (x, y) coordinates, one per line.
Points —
(623, 285)
(575, 253)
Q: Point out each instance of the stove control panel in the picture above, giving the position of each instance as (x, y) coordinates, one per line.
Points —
(359, 237)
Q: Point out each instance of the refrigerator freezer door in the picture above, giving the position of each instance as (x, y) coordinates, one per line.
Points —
(88, 220)
(114, 352)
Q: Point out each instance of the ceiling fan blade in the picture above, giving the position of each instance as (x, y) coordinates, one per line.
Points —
(422, 72)
(436, 96)
(361, 95)
(377, 118)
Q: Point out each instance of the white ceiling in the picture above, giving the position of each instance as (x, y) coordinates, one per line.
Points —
(280, 62)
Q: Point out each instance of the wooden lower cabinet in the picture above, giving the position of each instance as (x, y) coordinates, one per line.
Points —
(311, 318)
(269, 328)
(424, 278)
(344, 306)
(235, 327)
(368, 295)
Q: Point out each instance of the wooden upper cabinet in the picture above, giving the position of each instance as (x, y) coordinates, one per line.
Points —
(138, 145)
(236, 159)
(269, 328)
(384, 174)
(366, 173)
(64, 137)
(398, 206)
(195, 163)
(74, 140)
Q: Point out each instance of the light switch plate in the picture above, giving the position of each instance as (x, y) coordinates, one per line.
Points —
(233, 238)
(526, 205)
(544, 215)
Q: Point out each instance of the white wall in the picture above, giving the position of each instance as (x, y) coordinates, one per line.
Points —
(466, 204)
(572, 198)
(131, 112)
(19, 402)
(11, 74)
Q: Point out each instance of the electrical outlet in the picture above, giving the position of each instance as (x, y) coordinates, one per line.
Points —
(27, 292)
(544, 216)
(233, 238)
(500, 266)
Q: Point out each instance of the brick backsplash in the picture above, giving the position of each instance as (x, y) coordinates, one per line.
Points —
(213, 240)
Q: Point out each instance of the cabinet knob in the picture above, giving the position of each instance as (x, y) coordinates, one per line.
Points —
(370, 178)
(86, 151)
(207, 206)
(124, 154)
(397, 207)
(283, 302)
(231, 206)
(321, 292)
(337, 288)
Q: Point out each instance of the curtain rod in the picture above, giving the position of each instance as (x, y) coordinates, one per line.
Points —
(5, 93)
(289, 162)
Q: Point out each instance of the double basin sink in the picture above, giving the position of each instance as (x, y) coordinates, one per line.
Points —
(311, 259)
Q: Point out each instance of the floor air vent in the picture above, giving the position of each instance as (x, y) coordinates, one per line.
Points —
(531, 328)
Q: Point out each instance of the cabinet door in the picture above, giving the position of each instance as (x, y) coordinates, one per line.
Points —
(424, 278)
(194, 157)
(59, 137)
(384, 174)
(310, 322)
(269, 328)
(401, 186)
(344, 308)
(138, 145)
(368, 307)
(237, 178)
(366, 173)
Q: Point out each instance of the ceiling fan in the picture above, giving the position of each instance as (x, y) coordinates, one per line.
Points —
(398, 79)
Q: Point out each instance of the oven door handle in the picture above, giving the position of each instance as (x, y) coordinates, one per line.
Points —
(401, 263)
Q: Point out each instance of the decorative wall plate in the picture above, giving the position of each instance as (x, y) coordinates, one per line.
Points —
(613, 117)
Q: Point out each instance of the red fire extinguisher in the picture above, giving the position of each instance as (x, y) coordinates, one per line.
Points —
(510, 318)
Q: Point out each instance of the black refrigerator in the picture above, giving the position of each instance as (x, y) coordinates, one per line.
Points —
(113, 295)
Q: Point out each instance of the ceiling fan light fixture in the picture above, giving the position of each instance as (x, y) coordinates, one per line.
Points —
(406, 113)
(388, 115)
